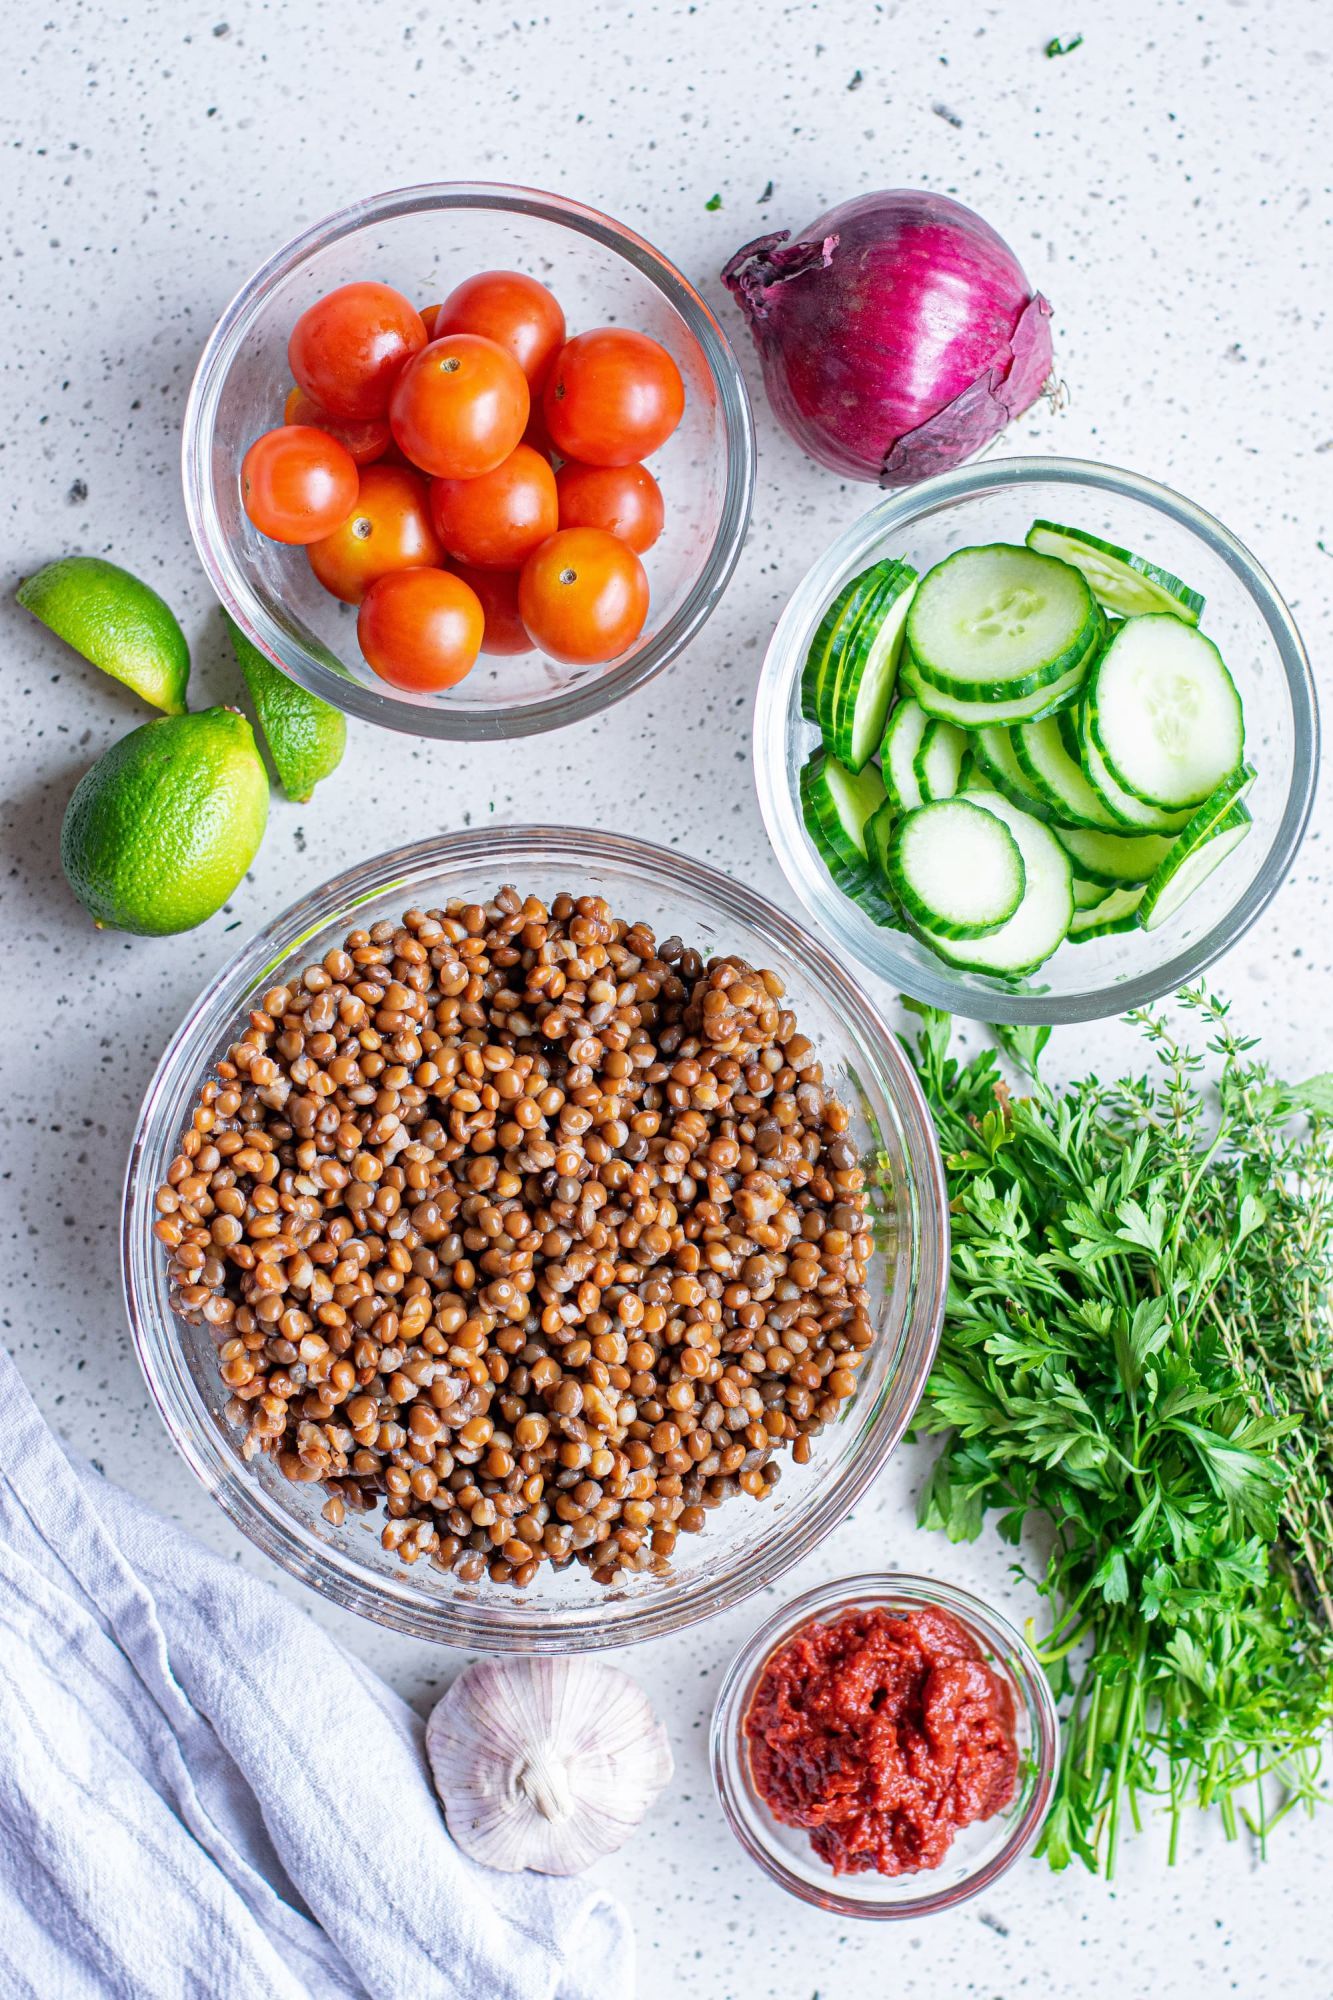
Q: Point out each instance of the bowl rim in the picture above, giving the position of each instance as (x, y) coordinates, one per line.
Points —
(325, 677)
(844, 556)
(729, 1764)
(500, 1625)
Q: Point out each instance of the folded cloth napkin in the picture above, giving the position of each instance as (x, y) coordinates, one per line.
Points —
(202, 1797)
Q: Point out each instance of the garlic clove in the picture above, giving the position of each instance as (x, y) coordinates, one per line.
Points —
(545, 1762)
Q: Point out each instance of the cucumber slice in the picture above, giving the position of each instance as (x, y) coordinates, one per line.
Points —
(1125, 808)
(976, 714)
(1113, 858)
(1164, 713)
(836, 805)
(939, 760)
(867, 669)
(999, 621)
(956, 868)
(1087, 894)
(1117, 911)
(994, 749)
(1040, 753)
(1041, 922)
(1190, 861)
(903, 737)
(820, 673)
(1119, 580)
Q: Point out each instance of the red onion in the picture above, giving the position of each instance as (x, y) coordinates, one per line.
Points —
(898, 334)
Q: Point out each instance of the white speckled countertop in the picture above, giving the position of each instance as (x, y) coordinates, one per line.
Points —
(1167, 184)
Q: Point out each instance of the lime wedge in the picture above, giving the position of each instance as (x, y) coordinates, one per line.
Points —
(116, 621)
(160, 831)
(306, 736)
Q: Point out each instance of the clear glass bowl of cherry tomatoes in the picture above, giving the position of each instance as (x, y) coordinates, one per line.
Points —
(468, 461)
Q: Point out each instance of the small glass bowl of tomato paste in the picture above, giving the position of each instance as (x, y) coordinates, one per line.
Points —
(424, 241)
(971, 1732)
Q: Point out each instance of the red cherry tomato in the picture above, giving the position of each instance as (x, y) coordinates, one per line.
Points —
(388, 528)
(496, 520)
(583, 596)
(428, 316)
(297, 483)
(514, 311)
(348, 348)
(459, 407)
(420, 629)
(612, 396)
(365, 441)
(624, 499)
(497, 590)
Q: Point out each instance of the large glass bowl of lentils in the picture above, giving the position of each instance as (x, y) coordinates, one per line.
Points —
(534, 1239)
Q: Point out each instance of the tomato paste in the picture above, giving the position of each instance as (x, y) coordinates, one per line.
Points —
(884, 1733)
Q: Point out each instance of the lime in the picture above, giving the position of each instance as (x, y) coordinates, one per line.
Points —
(161, 830)
(305, 736)
(117, 622)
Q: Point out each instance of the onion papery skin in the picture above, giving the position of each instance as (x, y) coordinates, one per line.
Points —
(898, 334)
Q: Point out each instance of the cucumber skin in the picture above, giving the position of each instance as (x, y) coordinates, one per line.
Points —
(961, 689)
(849, 604)
(1006, 785)
(853, 657)
(1115, 926)
(1062, 693)
(919, 762)
(1208, 820)
(1190, 602)
(900, 802)
(1092, 726)
(918, 913)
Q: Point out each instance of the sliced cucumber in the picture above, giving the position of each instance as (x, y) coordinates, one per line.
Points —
(994, 749)
(1190, 861)
(956, 868)
(1119, 580)
(836, 805)
(976, 714)
(1041, 922)
(1087, 894)
(1125, 808)
(1113, 858)
(1164, 713)
(1117, 911)
(903, 737)
(939, 760)
(820, 673)
(867, 670)
(1040, 753)
(999, 620)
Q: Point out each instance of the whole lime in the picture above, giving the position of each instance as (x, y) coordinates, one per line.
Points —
(160, 831)
(115, 620)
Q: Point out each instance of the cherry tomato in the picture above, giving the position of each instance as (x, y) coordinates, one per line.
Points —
(459, 407)
(624, 499)
(514, 311)
(348, 348)
(389, 528)
(298, 484)
(612, 396)
(428, 316)
(583, 596)
(497, 590)
(496, 520)
(366, 441)
(420, 629)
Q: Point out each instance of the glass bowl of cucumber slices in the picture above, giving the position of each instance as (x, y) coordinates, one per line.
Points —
(1036, 741)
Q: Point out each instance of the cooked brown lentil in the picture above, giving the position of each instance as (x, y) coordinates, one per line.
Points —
(542, 1234)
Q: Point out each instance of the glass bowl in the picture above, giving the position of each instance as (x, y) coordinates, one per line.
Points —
(746, 1543)
(980, 1852)
(425, 240)
(1244, 615)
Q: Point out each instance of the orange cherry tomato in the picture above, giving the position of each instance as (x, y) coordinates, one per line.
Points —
(388, 528)
(459, 407)
(420, 629)
(365, 441)
(496, 520)
(428, 314)
(497, 590)
(624, 499)
(348, 348)
(583, 596)
(514, 311)
(298, 483)
(612, 396)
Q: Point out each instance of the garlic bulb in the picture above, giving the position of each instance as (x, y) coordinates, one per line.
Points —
(545, 1763)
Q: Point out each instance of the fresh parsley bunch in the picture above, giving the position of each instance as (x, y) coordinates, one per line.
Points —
(1138, 1359)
